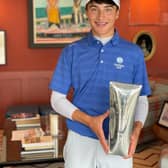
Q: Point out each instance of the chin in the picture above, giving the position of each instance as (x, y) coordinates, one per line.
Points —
(102, 33)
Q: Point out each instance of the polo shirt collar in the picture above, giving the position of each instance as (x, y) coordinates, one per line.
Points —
(93, 41)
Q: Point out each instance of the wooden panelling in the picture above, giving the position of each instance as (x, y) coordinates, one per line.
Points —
(29, 87)
(39, 89)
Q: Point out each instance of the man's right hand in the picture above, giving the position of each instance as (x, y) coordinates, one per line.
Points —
(95, 123)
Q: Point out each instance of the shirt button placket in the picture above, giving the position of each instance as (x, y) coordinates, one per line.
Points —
(101, 55)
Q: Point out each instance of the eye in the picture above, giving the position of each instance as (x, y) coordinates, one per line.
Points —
(108, 10)
(93, 9)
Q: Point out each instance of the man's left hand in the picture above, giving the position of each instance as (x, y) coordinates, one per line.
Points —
(134, 139)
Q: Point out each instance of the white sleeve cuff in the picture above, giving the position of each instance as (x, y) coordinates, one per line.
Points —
(62, 105)
(141, 110)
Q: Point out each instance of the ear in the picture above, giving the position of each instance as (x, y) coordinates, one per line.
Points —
(117, 14)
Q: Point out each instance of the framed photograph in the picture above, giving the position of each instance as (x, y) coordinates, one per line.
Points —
(2, 47)
(163, 119)
(55, 23)
(146, 42)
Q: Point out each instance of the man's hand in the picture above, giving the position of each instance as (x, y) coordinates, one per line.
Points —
(134, 139)
(97, 127)
(95, 123)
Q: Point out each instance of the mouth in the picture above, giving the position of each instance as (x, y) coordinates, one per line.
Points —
(101, 23)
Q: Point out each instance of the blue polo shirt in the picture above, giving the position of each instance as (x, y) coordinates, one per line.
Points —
(87, 66)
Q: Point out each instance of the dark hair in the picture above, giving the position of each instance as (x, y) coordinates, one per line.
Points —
(103, 1)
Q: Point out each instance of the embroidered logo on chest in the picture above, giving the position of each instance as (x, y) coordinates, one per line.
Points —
(119, 64)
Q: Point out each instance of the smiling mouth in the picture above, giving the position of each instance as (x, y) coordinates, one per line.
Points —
(101, 24)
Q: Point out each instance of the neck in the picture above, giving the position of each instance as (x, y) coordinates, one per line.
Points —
(104, 40)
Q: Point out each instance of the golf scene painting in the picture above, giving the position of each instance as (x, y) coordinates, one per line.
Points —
(57, 22)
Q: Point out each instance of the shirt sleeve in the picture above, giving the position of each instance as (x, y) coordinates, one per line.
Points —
(61, 79)
(141, 76)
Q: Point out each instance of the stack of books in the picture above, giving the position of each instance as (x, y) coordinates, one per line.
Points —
(35, 144)
(38, 154)
(25, 120)
(37, 147)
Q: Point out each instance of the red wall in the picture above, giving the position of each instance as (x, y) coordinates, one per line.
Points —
(14, 19)
(158, 64)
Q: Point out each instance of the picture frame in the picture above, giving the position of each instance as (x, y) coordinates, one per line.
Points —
(163, 119)
(146, 41)
(2, 47)
(56, 27)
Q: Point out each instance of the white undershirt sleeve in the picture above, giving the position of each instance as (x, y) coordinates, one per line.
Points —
(141, 110)
(62, 105)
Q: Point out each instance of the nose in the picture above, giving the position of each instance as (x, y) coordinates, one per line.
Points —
(101, 14)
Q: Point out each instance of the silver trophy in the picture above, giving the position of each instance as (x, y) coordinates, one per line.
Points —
(123, 100)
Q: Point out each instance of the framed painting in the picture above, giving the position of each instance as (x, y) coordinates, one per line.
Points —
(55, 23)
(2, 47)
(163, 119)
(146, 42)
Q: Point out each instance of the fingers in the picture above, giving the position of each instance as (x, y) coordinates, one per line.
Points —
(130, 153)
(132, 147)
(104, 144)
(102, 137)
(97, 127)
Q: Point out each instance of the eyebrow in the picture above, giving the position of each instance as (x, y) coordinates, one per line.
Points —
(106, 6)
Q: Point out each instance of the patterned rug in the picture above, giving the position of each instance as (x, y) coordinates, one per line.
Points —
(149, 157)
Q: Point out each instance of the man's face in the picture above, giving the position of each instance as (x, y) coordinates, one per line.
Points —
(102, 18)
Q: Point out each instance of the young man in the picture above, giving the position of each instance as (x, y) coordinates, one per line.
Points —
(87, 66)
